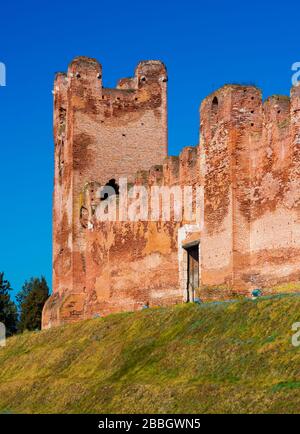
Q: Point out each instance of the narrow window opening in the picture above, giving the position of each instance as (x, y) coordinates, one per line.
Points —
(215, 105)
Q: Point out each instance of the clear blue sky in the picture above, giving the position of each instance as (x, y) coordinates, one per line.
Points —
(203, 43)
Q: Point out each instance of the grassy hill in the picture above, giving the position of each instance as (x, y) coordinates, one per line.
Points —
(217, 357)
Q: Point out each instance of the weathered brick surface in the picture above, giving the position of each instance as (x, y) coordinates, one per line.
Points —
(250, 172)
(247, 162)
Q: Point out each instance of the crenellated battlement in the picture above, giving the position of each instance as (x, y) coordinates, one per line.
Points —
(146, 90)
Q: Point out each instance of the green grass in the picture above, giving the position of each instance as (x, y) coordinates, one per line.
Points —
(217, 357)
(288, 287)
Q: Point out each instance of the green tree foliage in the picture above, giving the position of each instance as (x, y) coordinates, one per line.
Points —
(8, 309)
(31, 300)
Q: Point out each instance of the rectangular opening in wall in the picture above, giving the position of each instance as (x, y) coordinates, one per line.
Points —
(193, 271)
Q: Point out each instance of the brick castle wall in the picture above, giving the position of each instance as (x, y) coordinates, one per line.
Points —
(247, 163)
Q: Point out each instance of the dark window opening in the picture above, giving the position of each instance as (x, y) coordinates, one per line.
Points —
(215, 105)
(107, 189)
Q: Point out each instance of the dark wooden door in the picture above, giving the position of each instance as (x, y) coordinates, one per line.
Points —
(193, 272)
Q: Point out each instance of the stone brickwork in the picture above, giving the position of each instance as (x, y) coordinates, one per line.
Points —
(247, 164)
(250, 157)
